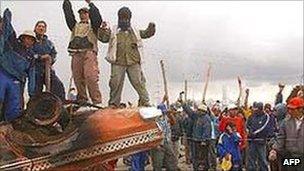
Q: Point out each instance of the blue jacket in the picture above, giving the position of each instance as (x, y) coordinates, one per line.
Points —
(215, 133)
(255, 122)
(229, 143)
(16, 60)
(42, 47)
(201, 130)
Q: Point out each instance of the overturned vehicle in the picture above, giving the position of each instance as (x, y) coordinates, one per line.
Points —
(51, 136)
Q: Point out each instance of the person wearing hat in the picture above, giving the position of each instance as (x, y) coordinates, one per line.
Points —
(83, 49)
(46, 52)
(16, 65)
(201, 135)
(290, 140)
(164, 154)
(228, 147)
(260, 128)
(125, 55)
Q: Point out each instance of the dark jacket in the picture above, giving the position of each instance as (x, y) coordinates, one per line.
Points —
(176, 129)
(16, 60)
(257, 121)
(187, 125)
(45, 46)
(201, 130)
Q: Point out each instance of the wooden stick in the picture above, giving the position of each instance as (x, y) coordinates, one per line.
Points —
(238, 102)
(206, 83)
(165, 80)
(47, 76)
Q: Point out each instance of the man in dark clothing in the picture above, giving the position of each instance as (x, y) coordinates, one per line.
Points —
(16, 65)
(46, 53)
(201, 134)
(260, 128)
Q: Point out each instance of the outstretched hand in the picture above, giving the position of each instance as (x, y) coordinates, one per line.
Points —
(88, 1)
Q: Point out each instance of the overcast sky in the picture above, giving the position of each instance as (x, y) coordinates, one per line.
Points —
(257, 40)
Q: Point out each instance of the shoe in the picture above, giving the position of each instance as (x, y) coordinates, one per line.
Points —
(86, 109)
(99, 105)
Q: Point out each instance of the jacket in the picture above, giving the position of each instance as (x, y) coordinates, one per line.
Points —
(256, 122)
(289, 139)
(44, 46)
(187, 125)
(229, 143)
(16, 60)
(201, 130)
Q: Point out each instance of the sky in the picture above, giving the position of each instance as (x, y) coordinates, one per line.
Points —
(257, 40)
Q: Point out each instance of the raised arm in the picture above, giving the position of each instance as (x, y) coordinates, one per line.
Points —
(149, 32)
(69, 14)
(9, 34)
(95, 16)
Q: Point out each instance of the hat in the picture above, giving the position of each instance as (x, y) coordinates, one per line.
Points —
(84, 9)
(28, 33)
(232, 106)
(281, 85)
(202, 107)
(295, 103)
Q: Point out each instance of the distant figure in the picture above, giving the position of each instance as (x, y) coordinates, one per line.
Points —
(124, 54)
(83, 48)
(279, 96)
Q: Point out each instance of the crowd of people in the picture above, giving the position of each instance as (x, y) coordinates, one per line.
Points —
(232, 137)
